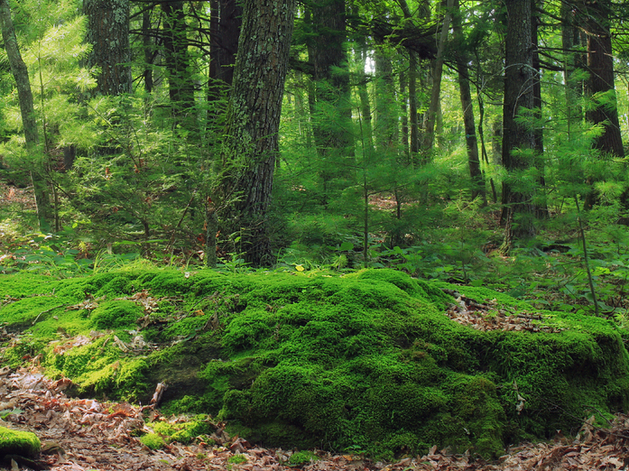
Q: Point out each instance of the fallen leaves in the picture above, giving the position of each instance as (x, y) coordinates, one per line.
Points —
(487, 316)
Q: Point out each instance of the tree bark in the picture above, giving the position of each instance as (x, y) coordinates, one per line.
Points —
(471, 143)
(429, 136)
(600, 64)
(518, 139)
(180, 85)
(29, 121)
(251, 145)
(108, 33)
(330, 103)
(225, 26)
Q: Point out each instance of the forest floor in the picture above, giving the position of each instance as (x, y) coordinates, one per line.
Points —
(87, 435)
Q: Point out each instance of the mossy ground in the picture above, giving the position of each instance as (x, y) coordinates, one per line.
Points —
(363, 362)
(15, 442)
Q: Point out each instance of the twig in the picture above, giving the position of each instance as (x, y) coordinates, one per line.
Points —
(44, 312)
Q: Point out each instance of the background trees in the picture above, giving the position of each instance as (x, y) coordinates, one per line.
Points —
(155, 136)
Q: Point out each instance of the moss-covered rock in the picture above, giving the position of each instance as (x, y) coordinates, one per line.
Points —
(366, 361)
(15, 442)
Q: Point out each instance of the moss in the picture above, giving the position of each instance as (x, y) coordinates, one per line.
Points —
(115, 315)
(363, 361)
(302, 458)
(184, 432)
(237, 459)
(15, 442)
(153, 440)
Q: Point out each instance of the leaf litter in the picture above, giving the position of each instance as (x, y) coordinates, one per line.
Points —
(87, 434)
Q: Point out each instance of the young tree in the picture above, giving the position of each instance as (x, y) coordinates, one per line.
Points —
(29, 121)
(251, 143)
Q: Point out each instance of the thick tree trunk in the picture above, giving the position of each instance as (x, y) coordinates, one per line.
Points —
(251, 145)
(600, 83)
(518, 139)
(25, 97)
(108, 33)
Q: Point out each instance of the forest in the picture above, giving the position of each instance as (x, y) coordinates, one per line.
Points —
(269, 206)
(470, 141)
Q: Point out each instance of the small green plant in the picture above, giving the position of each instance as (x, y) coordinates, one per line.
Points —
(302, 458)
(237, 459)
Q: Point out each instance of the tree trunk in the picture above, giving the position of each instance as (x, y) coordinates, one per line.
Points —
(225, 26)
(149, 51)
(412, 93)
(429, 136)
(541, 208)
(386, 111)
(365, 103)
(476, 175)
(108, 33)
(180, 85)
(600, 64)
(518, 139)
(31, 134)
(330, 101)
(251, 145)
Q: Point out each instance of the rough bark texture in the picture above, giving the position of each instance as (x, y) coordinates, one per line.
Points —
(29, 121)
(108, 33)
(517, 137)
(251, 145)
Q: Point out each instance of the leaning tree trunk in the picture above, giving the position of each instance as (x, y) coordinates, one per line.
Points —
(25, 97)
(251, 145)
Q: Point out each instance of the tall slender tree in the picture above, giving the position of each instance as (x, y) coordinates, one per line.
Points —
(29, 121)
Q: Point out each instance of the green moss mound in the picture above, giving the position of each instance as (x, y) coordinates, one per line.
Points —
(362, 362)
(15, 442)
